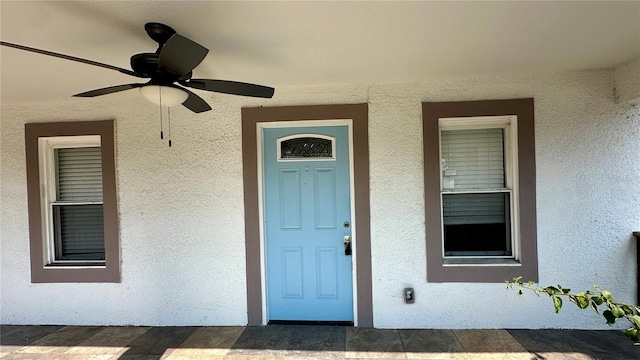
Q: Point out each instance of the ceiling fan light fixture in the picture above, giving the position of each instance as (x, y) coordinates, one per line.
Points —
(164, 95)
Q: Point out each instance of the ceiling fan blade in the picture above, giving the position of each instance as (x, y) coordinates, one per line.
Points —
(230, 87)
(108, 90)
(195, 103)
(72, 58)
(181, 55)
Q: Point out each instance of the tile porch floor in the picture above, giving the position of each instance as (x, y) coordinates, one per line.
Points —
(306, 342)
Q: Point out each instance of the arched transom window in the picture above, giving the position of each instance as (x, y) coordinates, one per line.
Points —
(306, 147)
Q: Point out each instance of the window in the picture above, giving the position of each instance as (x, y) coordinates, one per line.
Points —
(72, 202)
(306, 147)
(480, 190)
(71, 168)
(477, 187)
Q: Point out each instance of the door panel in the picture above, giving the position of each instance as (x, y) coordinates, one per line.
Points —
(324, 184)
(291, 214)
(306, 202)
(327, 270)
(292, 272)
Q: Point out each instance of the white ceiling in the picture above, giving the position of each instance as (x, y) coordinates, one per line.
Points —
(298, 43)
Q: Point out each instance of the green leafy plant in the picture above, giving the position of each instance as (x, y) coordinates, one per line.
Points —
(587, 299)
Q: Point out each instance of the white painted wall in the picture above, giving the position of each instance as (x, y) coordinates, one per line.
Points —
(181, 209)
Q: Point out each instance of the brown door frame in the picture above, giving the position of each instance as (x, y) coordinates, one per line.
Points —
(358, 113)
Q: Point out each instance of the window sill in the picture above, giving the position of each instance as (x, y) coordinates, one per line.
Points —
(75, 273)
(75, 266)
(480, 262)
(476, 270)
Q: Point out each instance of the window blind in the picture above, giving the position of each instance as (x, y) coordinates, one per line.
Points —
(472, 159)
(78, 228)
(79, 174)
(79, 232)
(482, 208)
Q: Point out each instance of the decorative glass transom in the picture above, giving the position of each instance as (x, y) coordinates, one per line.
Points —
(306, 148)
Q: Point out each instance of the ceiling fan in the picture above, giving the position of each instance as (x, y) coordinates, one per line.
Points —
(169, 69)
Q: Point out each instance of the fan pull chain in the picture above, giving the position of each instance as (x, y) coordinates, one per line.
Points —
(169, 122)
(161, 132)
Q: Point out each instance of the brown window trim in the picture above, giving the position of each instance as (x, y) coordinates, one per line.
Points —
(359, 113)
(44, 274)
(436, 269)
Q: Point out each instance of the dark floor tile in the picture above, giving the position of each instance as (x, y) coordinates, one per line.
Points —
(157, 340)
(13, 337)
(68, 336)
(270, 340)
(109, 341)
(17, 335)
(373, 343)
(7, 328)
(115, 336)
(275, 337)
(137, 357)
(319, 341)
(605, 344)
(431, 344)
(490, 344)
(373, 339)
(208, 342)
(59, 341)
(551, 344)
(318, 338)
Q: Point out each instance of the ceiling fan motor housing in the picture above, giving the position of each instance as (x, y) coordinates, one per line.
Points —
(160, 33)
(148, 65)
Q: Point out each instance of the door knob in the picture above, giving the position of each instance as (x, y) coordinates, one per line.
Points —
(347, 245)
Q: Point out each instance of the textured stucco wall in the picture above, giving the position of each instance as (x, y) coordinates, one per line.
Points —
(181, 209)
(627, 82)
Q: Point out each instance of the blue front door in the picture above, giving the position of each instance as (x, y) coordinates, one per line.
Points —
(307, 219)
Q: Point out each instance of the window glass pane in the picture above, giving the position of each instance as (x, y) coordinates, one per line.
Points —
(79, 174)
(473, 159)
(78, 232)
(477, 224)
(306, 147)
